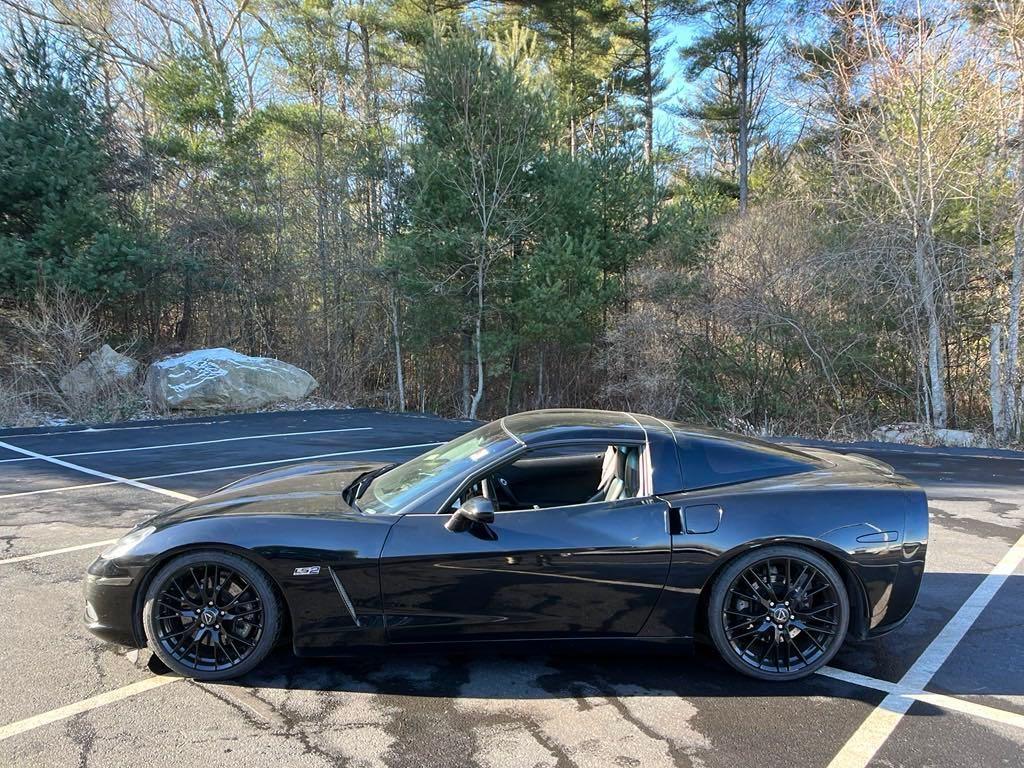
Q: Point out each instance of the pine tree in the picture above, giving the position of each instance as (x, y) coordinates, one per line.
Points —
(61, 175)
(728, 55)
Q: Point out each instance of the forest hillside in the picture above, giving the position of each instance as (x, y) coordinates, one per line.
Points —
(802, 216)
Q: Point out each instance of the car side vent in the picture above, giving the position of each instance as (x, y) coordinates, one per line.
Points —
(344, 596)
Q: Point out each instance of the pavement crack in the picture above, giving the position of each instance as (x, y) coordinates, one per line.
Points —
(256, 716)
(292, 726)
(82, 733)
(679, 755)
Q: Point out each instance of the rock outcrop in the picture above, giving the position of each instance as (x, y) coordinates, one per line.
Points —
(223, 379)
(103, 368)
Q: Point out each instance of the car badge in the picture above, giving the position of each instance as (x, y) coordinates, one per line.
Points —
(309, 570)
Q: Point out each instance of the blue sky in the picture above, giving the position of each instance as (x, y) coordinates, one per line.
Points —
(676, 36)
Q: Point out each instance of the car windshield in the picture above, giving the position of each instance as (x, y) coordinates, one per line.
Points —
(407, 482)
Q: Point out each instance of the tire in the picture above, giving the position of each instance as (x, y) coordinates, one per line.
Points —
(790, 636)
(211, 615)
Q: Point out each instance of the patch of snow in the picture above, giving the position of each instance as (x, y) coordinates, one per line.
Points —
(912, 433)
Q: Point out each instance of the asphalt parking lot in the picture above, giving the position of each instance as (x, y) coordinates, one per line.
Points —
(947, 689)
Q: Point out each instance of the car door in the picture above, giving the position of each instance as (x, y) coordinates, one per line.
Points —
(593, 569)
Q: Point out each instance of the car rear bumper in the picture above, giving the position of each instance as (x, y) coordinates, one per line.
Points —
(895, 606)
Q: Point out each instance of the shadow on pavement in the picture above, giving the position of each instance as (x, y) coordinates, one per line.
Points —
(987, 661)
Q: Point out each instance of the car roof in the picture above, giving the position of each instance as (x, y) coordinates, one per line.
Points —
(557, 424)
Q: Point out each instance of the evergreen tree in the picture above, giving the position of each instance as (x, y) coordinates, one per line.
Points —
(584, 51)
(728, 55)
(216, 225)
(61, 176)
(482, 130)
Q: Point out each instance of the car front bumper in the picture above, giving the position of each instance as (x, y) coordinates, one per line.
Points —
(110, 607)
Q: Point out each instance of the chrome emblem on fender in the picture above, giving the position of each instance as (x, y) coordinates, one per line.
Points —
(309, 570)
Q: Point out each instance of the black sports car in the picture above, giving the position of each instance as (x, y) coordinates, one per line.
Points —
(550, 525)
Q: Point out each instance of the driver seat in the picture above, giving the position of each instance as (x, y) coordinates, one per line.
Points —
(615, 474)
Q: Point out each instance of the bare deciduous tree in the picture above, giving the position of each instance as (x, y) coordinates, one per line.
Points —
(1005, 20)
(914, 140)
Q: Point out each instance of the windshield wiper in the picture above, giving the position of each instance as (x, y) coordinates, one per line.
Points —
(364, 480)
(351, 492)
(357, 487)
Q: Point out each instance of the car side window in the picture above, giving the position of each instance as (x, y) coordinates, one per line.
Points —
(565, 476)
(709, 462)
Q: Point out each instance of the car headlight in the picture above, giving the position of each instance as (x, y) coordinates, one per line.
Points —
(124, 545)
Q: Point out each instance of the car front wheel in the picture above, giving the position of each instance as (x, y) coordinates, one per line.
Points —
(778, 613)
(211, 615)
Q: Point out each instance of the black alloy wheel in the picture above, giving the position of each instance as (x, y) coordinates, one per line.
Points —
(778, 613)
(211, 615)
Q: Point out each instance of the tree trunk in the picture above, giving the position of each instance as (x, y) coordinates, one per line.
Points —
(742, 74)
(1011, 385)
(397, 335)
(540, 380)
(572, 92)
(478, 331)
(648, 83)
(648, 107)
(996, 383)
(467, 344)
(319, 163)
(513, 378)
(927, 287)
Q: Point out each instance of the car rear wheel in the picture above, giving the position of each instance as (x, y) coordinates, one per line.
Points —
(778, 613)
(211, 615)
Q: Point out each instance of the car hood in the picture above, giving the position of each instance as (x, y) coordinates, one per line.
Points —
(312, 489)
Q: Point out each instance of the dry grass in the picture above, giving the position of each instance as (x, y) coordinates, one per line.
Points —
(43, 344)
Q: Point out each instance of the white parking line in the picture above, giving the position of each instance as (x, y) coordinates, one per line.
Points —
(52, 552)
(93, 472)
(940, 700)
(968, 707)
(135, 428)
(858, 679)
(873, 732)
(136, 481)
(196, 442)
(57, 490)
(61, 713)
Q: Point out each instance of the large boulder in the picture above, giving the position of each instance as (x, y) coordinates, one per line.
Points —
(223, 379)
(102, 369)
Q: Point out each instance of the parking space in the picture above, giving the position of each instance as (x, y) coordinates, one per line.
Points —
(998, 630)
(945, 689)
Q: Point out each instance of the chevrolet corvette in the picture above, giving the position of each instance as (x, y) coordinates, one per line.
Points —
(554, 526)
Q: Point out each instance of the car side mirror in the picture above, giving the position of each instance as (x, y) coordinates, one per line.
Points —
(475, 510)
